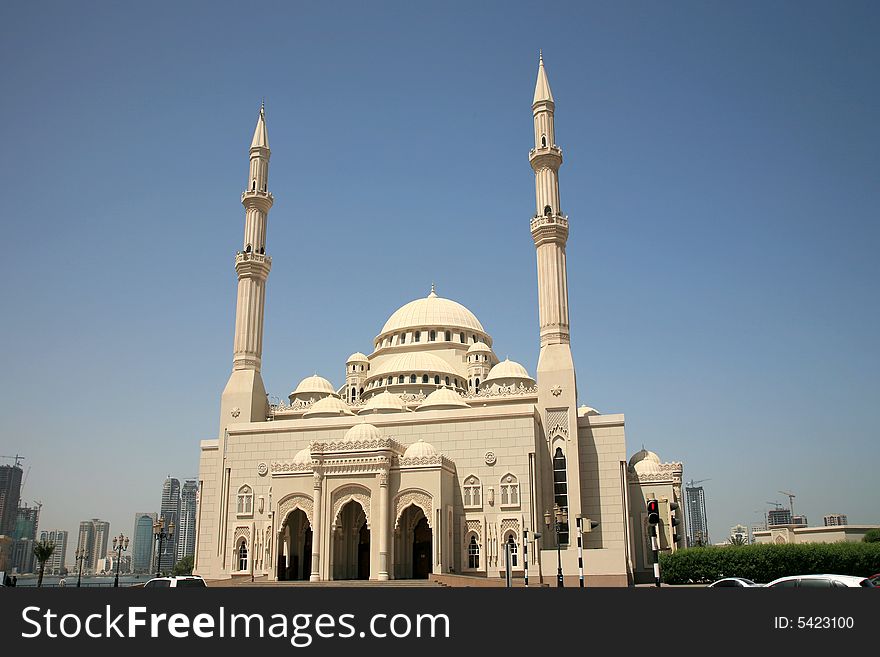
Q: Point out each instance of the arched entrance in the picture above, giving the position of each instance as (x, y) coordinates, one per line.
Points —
(414, 540)
(295, 547)
(351, 543)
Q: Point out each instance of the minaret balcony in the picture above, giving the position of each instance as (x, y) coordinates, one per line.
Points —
(247, 262)
(549, 156)
(263, 200)
(549, 228)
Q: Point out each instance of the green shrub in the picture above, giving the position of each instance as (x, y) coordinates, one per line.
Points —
(766, 562)
(872, 536)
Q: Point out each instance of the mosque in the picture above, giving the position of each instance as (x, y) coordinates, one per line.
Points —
(434, 458)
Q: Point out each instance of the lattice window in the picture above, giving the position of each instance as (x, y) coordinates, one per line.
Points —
(243, 556)
(473, 551)
(509, 491)
(245, 505)
(472, 493)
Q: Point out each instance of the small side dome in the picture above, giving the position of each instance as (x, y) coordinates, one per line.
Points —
(583, 410)
(420, 449)
(328, 407)
(384, 402)
(303, 457)
(363, 431)
(311, 388)
(479, 347)
(442, 398)
(645, 462)
(357, 357)
(508, 369)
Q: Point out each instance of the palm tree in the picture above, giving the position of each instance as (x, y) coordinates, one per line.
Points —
(739, 539)
(43, 551)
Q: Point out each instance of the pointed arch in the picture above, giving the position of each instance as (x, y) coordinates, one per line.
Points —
(345, 494)
(413, 497)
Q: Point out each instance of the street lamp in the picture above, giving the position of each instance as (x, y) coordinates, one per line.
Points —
(560, 515)
(161, 534)
(120, 545)
(80, 556)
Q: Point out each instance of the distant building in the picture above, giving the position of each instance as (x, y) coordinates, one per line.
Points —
(10, 491)
(24, 536)
(797, 534)
(779, 517)
(55, 564)
(143, 545)
(23, 555)
(93, 537)
(186, 542)
(740, 532)
(697, 523)
(170, 513)
(799, 520)
(836, 520)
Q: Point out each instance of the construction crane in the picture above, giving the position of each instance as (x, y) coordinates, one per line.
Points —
(16, 457)
(776, 505)
(692, 483)
(791, 497)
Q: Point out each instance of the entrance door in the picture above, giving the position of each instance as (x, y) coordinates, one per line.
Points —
(307, 555)
(421, 554)
(364, 553)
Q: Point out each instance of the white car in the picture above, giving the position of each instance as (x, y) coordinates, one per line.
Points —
(177, 581)
(728, 582)
(820, 582)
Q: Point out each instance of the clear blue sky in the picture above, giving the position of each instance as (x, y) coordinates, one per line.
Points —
(722, 180)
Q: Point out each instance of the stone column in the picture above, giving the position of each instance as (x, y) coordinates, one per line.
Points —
(382, 524)
(317, 533)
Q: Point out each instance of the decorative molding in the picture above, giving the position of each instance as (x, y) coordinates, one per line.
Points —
(510, 524)
(417, 497)
(262, 469)
(503, 391)
(474, 526)
(344, 495)
(293, 502)
(490, 458)
(242, 532)
(235, 412)
(557, 423)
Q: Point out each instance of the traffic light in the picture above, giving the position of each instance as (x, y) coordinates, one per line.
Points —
(673, 521)
(653, 512)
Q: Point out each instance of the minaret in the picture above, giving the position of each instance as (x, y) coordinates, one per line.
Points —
(244, 398)
(557, 388)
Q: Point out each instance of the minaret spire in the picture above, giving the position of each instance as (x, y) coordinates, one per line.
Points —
(542, 86)
(244, 399)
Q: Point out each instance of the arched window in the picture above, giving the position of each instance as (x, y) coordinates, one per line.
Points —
(402, 339)
(543, 141)
(474, 339)
(412, 378)
(353, 393)
(448, 336)
(254, 185)
(456, 382)
(472, 493)
(436, 380)
(473, 553)
(361, 393)
(245, 500)
(390, 380)
(432, 336)
(362, 368)
(400, 379)
(509, 490)
(511, 542)
(470, 383)
(547, 210)
(476, 383)
(242, 556)
(248, 249)
(461, 338)
(418, 336)
(424, 378)
(560, 489)
(447, 380)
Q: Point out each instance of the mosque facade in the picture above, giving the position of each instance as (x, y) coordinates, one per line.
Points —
(434, 457)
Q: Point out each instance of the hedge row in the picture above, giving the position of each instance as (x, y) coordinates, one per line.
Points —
(764, 563)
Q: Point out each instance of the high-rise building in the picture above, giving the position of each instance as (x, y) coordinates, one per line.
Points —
(23, 560)
(781, 516)
(93, 537)
(58, 537)
(170, 513)
(697, 523)
(24, 535)
(835, 520)
(10, 491)
(186, 542)
(142, 549)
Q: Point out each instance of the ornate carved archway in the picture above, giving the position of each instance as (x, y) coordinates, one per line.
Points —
(413, 496)
(345, 494)
(292, 502)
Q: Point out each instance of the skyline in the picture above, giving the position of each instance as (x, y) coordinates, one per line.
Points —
(721, 198)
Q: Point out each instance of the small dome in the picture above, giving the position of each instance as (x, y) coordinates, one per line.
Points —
(303, 456)
(645, 462)
(328, 407)
(443, 398)
(583, 410)
(508, 369)
(384, 402)
(357, 357)
(480, 347)
(363, 431)
(420, 449)
(314, 384)
(432, 311)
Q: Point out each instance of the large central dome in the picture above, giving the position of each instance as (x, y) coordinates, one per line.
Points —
(432, 311)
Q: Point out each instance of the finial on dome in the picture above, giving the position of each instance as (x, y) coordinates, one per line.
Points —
(432, 293)
(540, 55)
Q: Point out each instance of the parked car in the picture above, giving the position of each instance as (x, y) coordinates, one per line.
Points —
(820, 582)
(177, 581)
(736, 582)
(875, 579)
